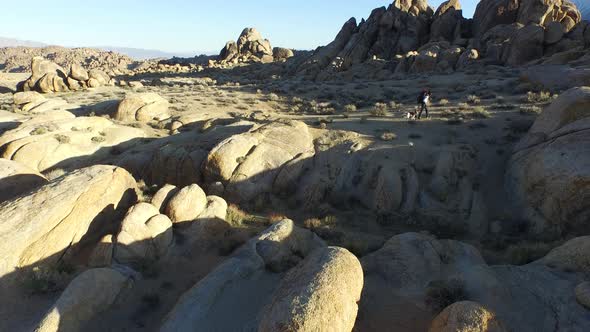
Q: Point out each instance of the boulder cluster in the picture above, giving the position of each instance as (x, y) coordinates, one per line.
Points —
(414, 38)
(18, 59)
(250, 47)
(48, 77)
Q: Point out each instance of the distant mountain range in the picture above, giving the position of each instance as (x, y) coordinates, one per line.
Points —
(11, 42)
(142, 54)
(135, 53)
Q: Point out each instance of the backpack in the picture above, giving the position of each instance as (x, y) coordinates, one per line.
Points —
(420, 98)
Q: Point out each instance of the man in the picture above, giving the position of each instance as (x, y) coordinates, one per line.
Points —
(423, 100)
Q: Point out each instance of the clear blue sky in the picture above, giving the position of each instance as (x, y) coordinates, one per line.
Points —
(183, 25)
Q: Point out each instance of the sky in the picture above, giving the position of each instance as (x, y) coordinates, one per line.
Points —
(185, 26)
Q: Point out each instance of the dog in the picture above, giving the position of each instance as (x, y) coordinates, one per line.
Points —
(412, 115)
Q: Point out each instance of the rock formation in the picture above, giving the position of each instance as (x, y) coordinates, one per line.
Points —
(413, 38)
(142, 107)
(251, 47)
(59, 139)
(18, 59)
(49, 77)
(86, 296)
(34, 233)
(548, 172)
(414, 277)
(333, 274)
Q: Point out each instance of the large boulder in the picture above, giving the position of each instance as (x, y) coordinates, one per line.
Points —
(544, 12)
(36, 229)
(574, 255)
(320, 294)
(78, 73)
(142, 107)
(281, 53)
(549, 172)
(17, 179)
(491, 13)
(89, 294)
(248, 163)
(466, 316)
(145, 234)
(526, 45)
(186, 204)
(447, 19)
(46, 76)
(210, 224)
(244, 283)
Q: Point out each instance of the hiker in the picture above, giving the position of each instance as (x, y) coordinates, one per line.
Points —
(423, 100)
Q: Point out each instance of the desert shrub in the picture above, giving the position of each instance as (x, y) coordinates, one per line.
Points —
(442, 293)
(350, 108)
(273, 97)
(463, 105)
(274, 218)
(296, 100)
(62, 139)
(379, 109)
(538, 97)
(98, 139)
(312, 223)
(479, 112)
(54, 173)
(393, 105)
(47, 280)
(39, 131)
(530, 110)
(443, 102)
(473, 99)
(236, 216)
(388, 136)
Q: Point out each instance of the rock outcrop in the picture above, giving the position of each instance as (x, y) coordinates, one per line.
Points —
(18, 59)
(89, 294)
(142, 107)
(250, 47)
(248, 163)
(83, 204)
(466, 316)
(145, 234)
(320, 294)
(549, 171)
(511, 32)
(59, 139)
(48, 77)
(245, 282)
(414, 277)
